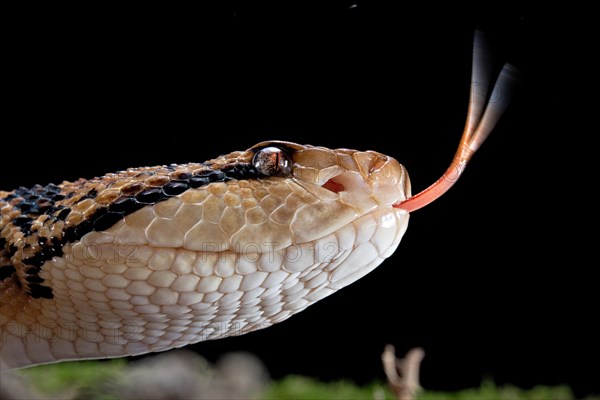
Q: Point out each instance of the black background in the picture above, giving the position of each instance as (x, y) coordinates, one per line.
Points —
(493, 280)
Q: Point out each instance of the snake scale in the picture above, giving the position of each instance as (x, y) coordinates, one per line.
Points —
(154, 258)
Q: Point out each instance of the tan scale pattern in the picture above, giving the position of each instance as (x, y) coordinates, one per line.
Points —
(221, 260)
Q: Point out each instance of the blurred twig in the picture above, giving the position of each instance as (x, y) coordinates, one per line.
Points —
(402, 374)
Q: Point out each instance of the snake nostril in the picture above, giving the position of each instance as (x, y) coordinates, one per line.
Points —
(333, 186)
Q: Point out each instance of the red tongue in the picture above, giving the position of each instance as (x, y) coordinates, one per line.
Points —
(333, 186)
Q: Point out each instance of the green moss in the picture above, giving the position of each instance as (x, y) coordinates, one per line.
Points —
(489, 391)
(297, 387)
(80, 376)
(88, 379)
(300, 387)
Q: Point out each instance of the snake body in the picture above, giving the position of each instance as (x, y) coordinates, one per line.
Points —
(154, 258)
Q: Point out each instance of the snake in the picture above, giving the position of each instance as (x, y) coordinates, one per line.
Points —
(154, 258)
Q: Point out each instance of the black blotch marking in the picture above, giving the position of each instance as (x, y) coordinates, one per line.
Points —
(83, 228)
(217, 176)
(37, 291)
(107, 220)
(7, 271)
(31, 270)
(36, 260)
(26, 228)
(175, 188)
(242, 171)
(26, 207)
(91, 194)
(43, 205)
(10, 197)
(21, 220)
(100, 211)
(63, 214)
(197, 181)
(24, 223)
(125, 205)
(33, 279)
(54, 248)
(69, 235)
(150, 196)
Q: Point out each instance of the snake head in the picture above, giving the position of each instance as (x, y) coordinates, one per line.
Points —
(305, 193)
(363, 180)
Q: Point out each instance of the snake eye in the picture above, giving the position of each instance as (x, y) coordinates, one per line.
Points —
(272, 161)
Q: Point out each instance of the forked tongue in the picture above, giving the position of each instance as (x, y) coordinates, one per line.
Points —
(482, 115)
